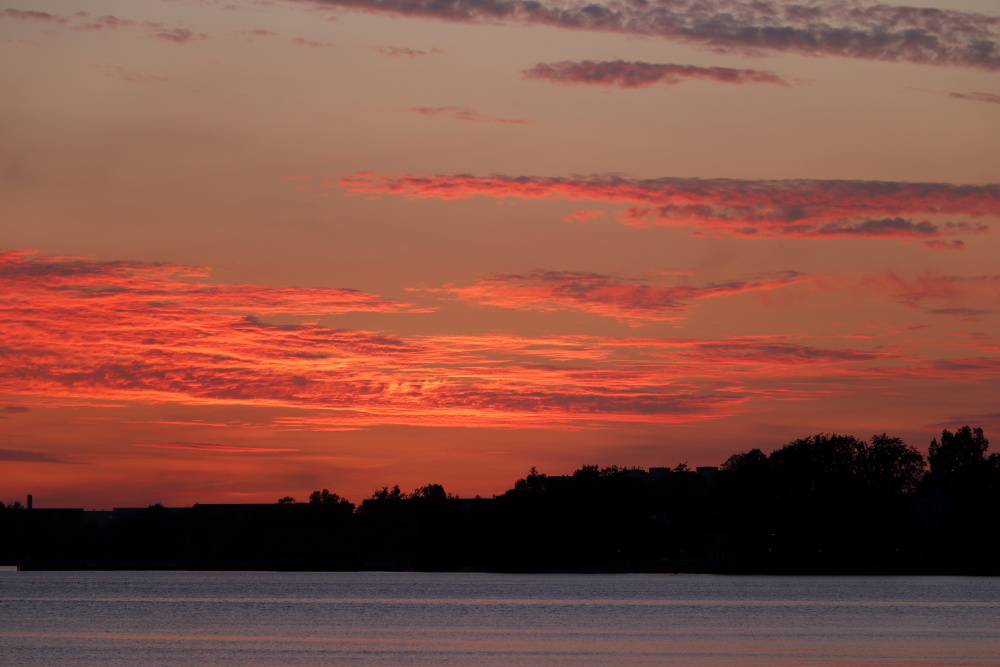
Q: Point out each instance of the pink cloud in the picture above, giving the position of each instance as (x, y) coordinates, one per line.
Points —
(460, 113)
(746, 208)
(642, 75)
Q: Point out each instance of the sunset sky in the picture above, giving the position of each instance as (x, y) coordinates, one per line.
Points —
(253, 248)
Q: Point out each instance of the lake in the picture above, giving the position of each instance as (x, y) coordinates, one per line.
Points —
(375, 618)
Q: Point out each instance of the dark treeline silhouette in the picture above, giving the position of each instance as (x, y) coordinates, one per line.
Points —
(822, 504)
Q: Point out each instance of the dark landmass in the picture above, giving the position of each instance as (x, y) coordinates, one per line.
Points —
(825, 504)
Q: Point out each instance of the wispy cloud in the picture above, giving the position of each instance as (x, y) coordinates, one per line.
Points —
(178, 35)
(584, 216)
(843, 28)
(84, 21)
(936, 293)
(398, 52)
(106, 22)
(977, 97)
(643, 75)
(747, 208)
(312, 44)
(129, 76)
(462, 113)
(31, 15)
(211, 447)
(20, 456)
(631, 300)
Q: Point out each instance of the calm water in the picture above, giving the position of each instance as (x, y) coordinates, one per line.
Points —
(202, 618)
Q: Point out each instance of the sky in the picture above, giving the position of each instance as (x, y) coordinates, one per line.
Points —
(255, 248)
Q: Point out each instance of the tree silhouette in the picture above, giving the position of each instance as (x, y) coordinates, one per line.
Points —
(959, 459)
(323, 497)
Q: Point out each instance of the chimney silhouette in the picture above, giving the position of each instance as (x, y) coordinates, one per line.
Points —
(29, 501)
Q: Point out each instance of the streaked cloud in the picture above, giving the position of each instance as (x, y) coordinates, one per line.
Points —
(20, 456)
(977, 97)
(937, 293)
(106, 22)
(844, 28)
(312, 44)
(178, 35)
(628, 299)
(129, 76)
(642, 75)
(84, 21)
(462, 113)
(799, 208)
(584, 216)
(211, 447)
(31, 15)
(398, 52)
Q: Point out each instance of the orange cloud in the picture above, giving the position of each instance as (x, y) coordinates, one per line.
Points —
(796, 208)
(642, 75)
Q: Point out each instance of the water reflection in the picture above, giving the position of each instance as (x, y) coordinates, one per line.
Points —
(181, 618)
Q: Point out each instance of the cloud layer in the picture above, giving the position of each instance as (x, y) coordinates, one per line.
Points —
(844, 28)
(135, 333)
(796, 208)
(642, 75)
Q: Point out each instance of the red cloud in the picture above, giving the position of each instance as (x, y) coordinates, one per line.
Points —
(459, 113)
(819, 28)
(626, 299)
(789, 208)
(129, 332)
(642, 75)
